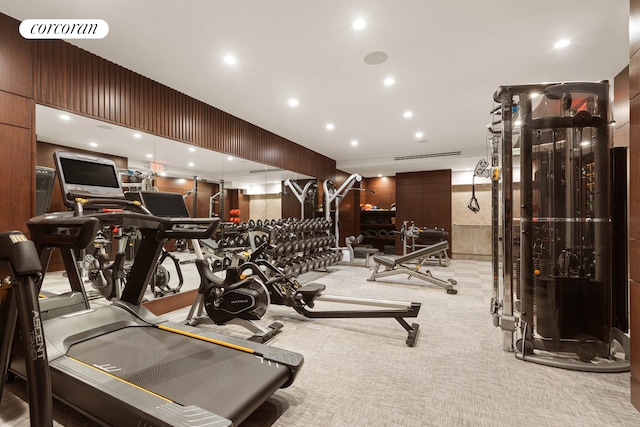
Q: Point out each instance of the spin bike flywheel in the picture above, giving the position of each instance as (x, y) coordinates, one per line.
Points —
(247, 299)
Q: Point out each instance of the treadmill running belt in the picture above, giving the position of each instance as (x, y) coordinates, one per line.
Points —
(230, 383)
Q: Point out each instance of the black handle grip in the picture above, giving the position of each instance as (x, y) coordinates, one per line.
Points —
(63, 232)
(114, 203)
(191, 228)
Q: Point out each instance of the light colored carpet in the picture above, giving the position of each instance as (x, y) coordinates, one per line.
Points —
(359, 372)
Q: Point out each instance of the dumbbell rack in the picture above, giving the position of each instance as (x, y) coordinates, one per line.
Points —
(299, 246)
(295, 246)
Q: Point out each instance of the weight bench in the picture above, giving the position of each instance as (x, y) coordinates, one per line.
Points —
(393, 266)
(354, 249)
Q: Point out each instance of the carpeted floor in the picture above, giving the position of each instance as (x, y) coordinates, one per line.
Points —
(359, 372)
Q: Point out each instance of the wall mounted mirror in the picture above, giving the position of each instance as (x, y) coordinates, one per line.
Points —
(175, 164)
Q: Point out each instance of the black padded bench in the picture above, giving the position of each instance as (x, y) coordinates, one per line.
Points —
(354, 248)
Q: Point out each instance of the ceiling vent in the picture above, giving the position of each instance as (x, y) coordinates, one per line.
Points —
(428, 156)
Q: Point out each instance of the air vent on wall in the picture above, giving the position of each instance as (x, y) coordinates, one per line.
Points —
(427, 156)
(265, 170)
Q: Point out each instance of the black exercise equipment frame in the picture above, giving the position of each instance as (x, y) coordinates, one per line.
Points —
(285, 291)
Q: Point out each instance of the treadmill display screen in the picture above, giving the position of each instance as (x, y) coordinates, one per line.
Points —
(84, 173)
(165, 204)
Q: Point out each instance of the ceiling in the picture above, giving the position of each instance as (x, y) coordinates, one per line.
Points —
(447, 59)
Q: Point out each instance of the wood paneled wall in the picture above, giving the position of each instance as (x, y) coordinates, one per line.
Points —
(57, 74)
(17, 118)
(72, 79)
(621, 109)
(349, 208)
(385, 191)
(425, 199)
(634, 201)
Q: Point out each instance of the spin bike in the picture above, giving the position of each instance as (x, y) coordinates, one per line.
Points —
(247, 289)
(109, 277)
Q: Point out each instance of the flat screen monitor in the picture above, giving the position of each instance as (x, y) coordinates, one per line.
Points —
(159, 203)
(87, 176)
(45, 179)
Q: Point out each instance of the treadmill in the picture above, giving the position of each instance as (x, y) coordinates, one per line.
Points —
(120, 364)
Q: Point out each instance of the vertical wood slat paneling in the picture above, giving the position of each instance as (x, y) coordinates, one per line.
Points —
(15, 59)
(17, 126)
(75, 80)
(425, 198)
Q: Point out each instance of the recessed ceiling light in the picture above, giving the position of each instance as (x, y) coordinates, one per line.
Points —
(64, 117)
(230, 59)
(229, 158)
(137, 135)
(407, 114)
(379, 175)
(330, 126)
(149, 156)
(163, 174)
(191, 164)
(359, 24)
(534, 95)
(419, 135)
(192, 149)
(562, 44)
(93, 144)
(293, 103)
(354, 142)
(389, 81)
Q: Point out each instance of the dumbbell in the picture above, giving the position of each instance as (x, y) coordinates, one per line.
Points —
(288, 248)
(304, 266)
(216, 265)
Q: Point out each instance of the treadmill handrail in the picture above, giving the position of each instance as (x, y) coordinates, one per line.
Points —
(53, 231)
(191, 228)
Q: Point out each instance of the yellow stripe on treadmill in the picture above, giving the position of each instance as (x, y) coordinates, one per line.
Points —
(120, 379)
(211, 340)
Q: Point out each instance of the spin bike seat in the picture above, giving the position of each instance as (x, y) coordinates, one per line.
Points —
(310, 291)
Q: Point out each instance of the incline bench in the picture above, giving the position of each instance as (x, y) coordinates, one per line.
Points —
(393, 266)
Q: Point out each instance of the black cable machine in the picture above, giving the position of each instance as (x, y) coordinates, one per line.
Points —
(121, 365)
(555, 294)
